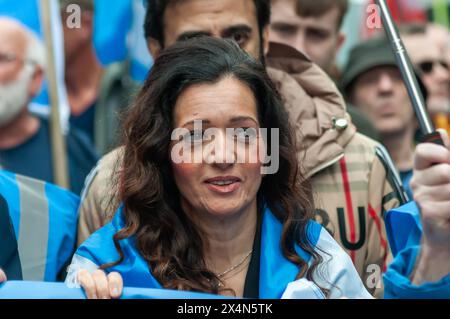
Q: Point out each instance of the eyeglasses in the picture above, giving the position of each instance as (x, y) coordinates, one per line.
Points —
(427, 67)
(9, 57)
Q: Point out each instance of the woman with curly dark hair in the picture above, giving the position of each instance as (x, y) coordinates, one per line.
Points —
(213, 198)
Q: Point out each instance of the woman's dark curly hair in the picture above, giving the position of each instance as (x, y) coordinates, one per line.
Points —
(165, 237)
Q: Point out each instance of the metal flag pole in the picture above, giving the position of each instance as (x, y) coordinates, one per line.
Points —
(408, 75)
(58, 143)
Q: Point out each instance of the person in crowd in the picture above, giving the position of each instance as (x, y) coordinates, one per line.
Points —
(349, 172)
(313, 27)
(37, 229)
(372, 80)
(223, 224)
(432, 67)
(97, 94)
(220, 225)
(24, 138)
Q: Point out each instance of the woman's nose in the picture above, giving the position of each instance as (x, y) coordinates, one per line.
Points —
(221, 152)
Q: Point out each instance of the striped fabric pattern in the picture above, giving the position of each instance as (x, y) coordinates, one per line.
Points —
(44, 218)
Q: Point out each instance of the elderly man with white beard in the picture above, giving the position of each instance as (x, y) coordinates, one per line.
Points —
(24, 138)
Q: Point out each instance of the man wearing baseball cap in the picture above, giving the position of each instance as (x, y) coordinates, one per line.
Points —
(372, 81)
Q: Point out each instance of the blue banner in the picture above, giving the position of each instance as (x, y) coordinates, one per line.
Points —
(45, 290)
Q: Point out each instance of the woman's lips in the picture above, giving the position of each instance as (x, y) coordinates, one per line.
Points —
(223, 185)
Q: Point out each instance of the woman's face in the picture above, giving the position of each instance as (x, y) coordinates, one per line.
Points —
(221, 172)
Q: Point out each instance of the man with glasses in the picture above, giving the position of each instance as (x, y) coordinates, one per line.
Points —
(25, 138)
(430, 61)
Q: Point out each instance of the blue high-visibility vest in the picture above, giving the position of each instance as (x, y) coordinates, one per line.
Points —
(44, 218)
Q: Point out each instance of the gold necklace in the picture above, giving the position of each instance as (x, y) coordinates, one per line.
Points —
(235, 265)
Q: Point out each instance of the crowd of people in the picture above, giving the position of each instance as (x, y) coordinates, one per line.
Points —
(345, 145)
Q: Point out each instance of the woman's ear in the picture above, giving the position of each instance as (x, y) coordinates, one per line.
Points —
(36, 82)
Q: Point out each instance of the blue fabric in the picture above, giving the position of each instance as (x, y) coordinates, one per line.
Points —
(40, 290)
(403, 227)
(406, 179)
(112, 22)
(10, 191)
(25, 11)
(63, 222)
(33, 158)
(9, 254)
(63, 207)
(397, 283)
(275, 270)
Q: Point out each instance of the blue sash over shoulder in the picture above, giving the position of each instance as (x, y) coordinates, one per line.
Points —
(276, 272)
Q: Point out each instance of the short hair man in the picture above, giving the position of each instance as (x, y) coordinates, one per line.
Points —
(313, 103)
(314, 27)
(372, 81)
(24, 138)
(430, 61)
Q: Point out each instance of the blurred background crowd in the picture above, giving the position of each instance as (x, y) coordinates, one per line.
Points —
(69, 68)
(100, 57)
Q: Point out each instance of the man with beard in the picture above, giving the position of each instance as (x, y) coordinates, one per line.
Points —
(24, 138)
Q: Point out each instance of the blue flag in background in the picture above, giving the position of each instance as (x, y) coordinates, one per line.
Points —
(112, 23)
(27, 11)
(119, 35)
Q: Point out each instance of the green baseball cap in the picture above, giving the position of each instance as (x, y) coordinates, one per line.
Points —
(364, 57)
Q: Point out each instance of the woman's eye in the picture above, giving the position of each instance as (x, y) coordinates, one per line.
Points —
(246, 134)
(194, 136)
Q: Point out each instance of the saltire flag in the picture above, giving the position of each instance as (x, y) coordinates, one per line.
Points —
(28, 12)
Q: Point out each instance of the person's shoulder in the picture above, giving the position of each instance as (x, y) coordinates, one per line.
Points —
(363, 149)
(107, 165)
(99, 247)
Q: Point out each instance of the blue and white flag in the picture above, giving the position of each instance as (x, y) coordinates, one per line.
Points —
(119, 35)
(403, 227)
(45, 290)
(277, 275)
(28, 12)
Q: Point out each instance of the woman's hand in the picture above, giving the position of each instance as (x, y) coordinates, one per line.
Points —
(98, 285)
(2, 276)
(431, 188)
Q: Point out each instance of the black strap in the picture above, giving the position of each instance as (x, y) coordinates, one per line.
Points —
(9, 254)
(251, 285)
